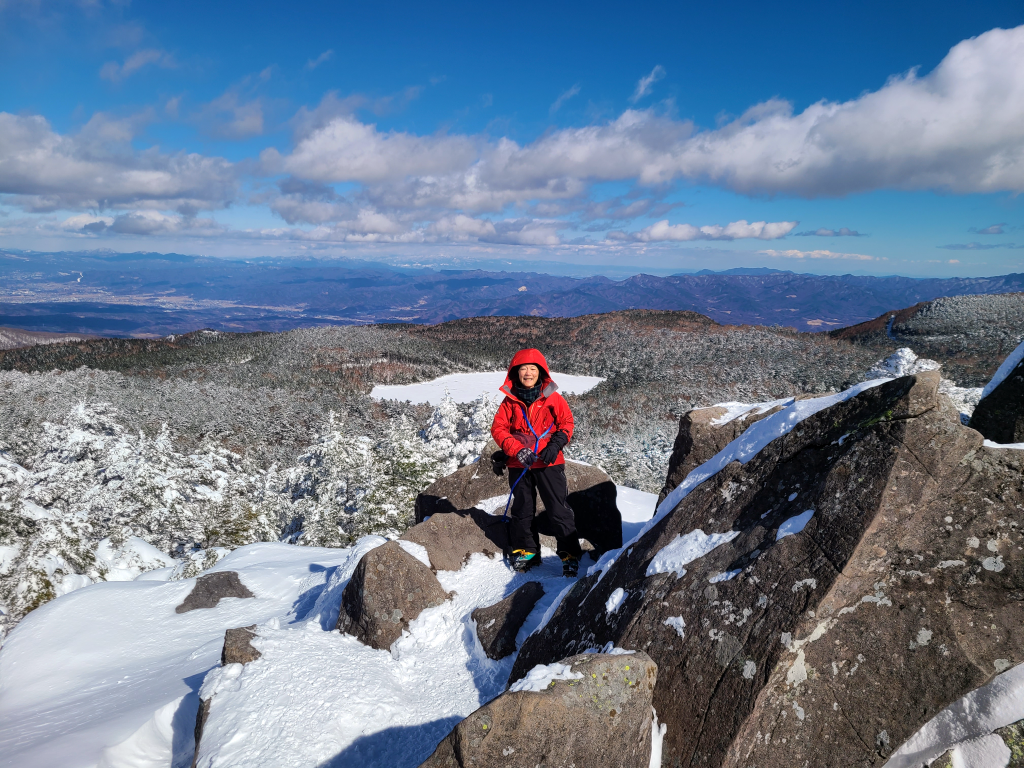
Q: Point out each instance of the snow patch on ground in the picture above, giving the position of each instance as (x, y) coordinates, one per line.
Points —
(543, 675)
(794, 524)
(467, 387)
(110, 675)
(684, 549)
(1005, 369)
(964, 726)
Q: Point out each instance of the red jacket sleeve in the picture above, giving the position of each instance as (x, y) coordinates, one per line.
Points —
(501, 429)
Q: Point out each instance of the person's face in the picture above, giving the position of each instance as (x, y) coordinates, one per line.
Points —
(529, 375)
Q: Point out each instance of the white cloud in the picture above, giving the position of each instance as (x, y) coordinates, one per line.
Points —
(115, 72)
(564, 97)
(346, 149)
(98, 168)
(646, 83)
(737, 230)
(794, 254)
(461, 228)
(321, 59)
(144, 222)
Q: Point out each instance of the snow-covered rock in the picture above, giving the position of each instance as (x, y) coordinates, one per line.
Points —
(388, 590)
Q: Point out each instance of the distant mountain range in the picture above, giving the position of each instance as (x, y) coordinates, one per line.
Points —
(150, 294)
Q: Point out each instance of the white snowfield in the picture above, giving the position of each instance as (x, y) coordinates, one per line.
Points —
(108, 676)
(467, 387)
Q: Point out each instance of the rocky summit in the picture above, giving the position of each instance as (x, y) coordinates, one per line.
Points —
(819, 603)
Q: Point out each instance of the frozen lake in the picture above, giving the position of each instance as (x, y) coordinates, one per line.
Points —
(466, 387)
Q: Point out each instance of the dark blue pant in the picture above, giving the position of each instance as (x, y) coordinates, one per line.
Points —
(523, 529)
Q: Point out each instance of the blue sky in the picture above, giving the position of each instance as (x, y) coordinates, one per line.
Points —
(869, 139)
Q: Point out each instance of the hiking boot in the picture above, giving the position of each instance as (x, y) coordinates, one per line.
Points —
(570, 566)
(523, 560)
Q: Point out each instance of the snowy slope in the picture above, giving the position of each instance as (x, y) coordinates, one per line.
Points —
(109, 675)
(466, 387)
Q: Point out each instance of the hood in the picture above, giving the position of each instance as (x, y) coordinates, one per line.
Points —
(522, 357)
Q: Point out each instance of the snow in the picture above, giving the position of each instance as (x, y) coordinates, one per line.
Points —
(636, 507)
(466, 387)
(964, 726)
(735, 410)
(1011, 446)
(677, 623)
(615, 600)
(416, 550)
(794, 524)
(725, 576)
(87, 671)
(110, 676)
(543, 675)
(902, 362)
(686, 548)
(494, 505)
(657, 739)
(1005, 369)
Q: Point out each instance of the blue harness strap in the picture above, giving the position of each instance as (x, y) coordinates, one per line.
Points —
(536, 445)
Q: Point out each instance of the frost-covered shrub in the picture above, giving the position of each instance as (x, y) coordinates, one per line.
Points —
(346, 486)
(88, 482)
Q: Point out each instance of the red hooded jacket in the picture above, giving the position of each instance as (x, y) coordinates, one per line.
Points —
(549, 412)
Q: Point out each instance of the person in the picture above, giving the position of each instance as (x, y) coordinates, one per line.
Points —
(532, 426)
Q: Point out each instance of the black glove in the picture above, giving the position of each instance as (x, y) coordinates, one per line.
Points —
(526, 457)
(498, 462)
(554, 446)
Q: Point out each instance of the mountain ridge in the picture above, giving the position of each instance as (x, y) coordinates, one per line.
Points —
(149, 295)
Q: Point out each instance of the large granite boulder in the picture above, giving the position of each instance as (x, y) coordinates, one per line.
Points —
(450, 538)
(497, 625)
(211, 588)
(818, 604)
(596, 712)
(703, 432)
(999, 415)
(591, 495)
(388, 589)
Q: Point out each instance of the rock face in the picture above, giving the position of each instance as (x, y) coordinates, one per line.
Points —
(999, 416)
(599, 719)
(497, 625)
(388, 589)
(591, 496)
(237, 646)
(210, 588)
(702, 434)
(868, 573)
(451, 537)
